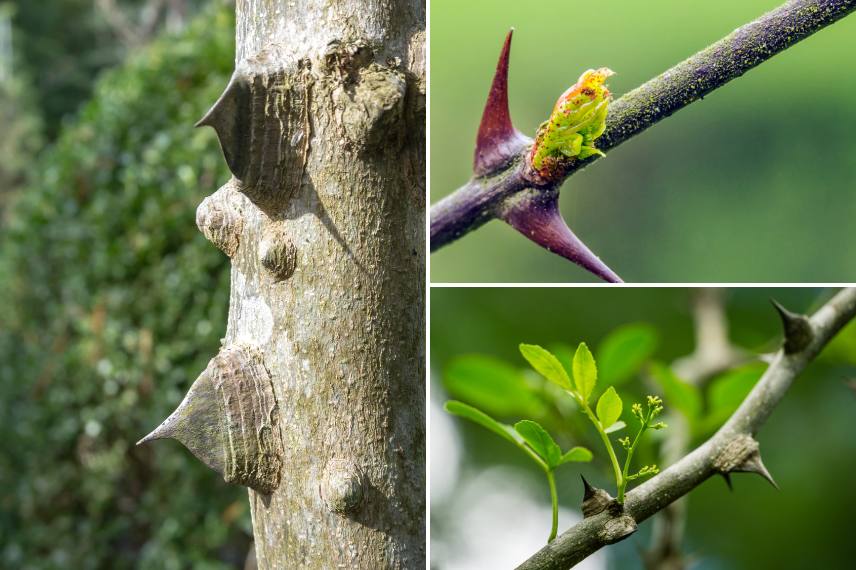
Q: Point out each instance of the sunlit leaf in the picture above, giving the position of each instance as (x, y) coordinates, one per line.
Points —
(585, 371)
(475, 415)
(540, 441)
(576, 454)
(546, 364)
(609, 407)
(679, 394)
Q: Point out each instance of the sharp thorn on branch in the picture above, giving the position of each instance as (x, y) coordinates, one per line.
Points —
(753, 464)
(535, 214)
(498, 142)
(594, 500)
(588, 490)
(798, 331)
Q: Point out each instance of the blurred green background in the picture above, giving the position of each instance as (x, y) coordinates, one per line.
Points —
(490, 505)
(753, 184)
(111, 301)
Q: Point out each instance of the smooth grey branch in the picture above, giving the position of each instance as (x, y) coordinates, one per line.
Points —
(731, 449)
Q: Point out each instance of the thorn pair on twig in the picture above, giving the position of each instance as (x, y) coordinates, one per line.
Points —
(535, 211)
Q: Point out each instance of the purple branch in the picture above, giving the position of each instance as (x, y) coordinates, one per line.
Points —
(500, 176)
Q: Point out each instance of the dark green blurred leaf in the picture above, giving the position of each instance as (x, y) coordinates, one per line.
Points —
(726, 393)
(491, 385)
(624, 351)
(678, 394)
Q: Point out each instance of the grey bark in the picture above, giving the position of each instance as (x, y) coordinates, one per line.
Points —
(316, 401)
(343, 336)
(731, 449)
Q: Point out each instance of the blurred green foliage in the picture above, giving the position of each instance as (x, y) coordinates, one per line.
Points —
(728, 189)
(64, 44)
(112, 303)
(807, 442)
(22, 136)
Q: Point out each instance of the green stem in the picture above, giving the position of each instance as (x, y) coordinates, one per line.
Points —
(630, 451)
(555, 500)
(619, 479)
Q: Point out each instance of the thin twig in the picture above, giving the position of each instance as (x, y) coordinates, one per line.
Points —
(708, 459)
(478, 201)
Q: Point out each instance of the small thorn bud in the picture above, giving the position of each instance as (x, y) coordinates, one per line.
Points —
(594, 500)
(798, 331)
(343, 487)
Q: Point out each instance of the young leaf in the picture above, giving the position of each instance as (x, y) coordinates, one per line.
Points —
(492, 385)
(474, 415)
(624, 351)
(609, 408)
(540, 441)
(585, 371)
(577, 454)
(617, 426)
(546, 365)
(685, 397)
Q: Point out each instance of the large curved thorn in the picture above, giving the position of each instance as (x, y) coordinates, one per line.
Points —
(536, 215)
(498, 141)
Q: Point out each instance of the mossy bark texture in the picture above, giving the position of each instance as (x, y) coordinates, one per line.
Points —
(323, 127)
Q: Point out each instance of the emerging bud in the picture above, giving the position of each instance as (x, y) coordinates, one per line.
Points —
(577, 120)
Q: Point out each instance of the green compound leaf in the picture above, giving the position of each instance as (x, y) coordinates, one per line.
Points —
(576, 454)
(585, 371)
(685, 397)
(546, 365)
(492, 385)
(624, 351)
(609, 408)
(475, 415)
(540, 441)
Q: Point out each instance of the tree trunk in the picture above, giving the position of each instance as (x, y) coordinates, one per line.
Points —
(343, 335)
(320, 384)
